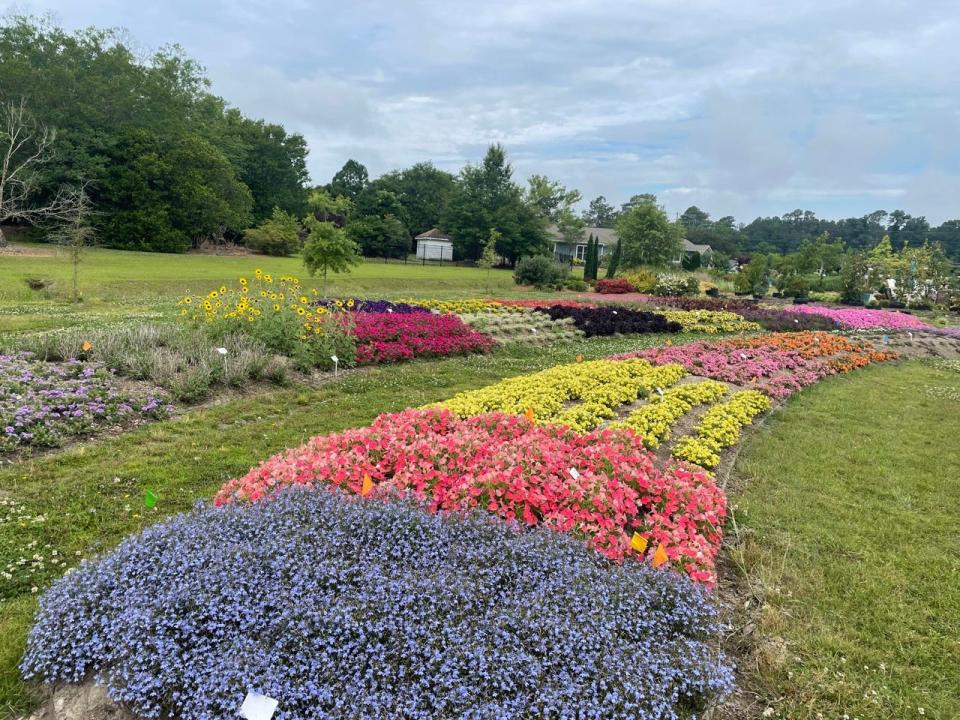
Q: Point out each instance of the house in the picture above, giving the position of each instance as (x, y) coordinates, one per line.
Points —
(564, 251)
(434, 245)
(688, 248)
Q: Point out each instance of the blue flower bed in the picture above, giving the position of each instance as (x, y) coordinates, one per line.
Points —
(43, 403)
(341, 607)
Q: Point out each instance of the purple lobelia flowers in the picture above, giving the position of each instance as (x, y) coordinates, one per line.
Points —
(42, 403)
(341, 607)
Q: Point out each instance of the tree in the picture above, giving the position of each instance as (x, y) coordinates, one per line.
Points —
(641, 199)
(614, 263)
(77, 233)
(549, 198)
(486, 197)
(379, 236)
(350, 180)
(328, 208)
(647, 237)
(26, 149)
(600, 213)
(423, 192)
(489, 256)
(328, 249)
(588, 259)
(279, 235)
(694, 217)
(570, 227)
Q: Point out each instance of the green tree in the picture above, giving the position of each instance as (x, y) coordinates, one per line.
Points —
(600, 213)
(379, 236)
(350, 180)
(279, 235)
(550, 198)
(328, 249)
(486, 197)
(489, 256)
(614, 263)
(588, 259)
(423, 192)
(327, 208)
(647, 236)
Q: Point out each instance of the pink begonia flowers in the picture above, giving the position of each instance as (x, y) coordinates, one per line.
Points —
(602, 486)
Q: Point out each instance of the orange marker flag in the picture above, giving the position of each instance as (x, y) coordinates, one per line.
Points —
(87, 346)
(660, 556)
(367, 486)
(638, 542)
(528, 414)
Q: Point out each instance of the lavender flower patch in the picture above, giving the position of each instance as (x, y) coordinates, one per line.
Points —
(43, 403)
(346, 608)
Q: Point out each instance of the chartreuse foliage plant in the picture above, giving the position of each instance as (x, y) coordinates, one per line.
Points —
(600, 386)
(602, 487)
(653, 420)
(720, 427)
(710, 321)
(321, 601)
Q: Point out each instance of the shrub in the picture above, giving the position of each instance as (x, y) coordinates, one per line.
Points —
(349, 609)
(539, 271)
(614, 286)
(673, 284)
(388, 338)
(575, 284)
(280, 235)
(516, 470)
(612, 320)
(797, 286)
(643, 281)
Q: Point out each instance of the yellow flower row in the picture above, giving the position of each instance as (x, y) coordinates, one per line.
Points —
(720, 427)
(600, 386)
(654, 420)
(710, 321)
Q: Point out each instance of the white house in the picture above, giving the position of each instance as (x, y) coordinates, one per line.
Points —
(565, 251)
(434, 245)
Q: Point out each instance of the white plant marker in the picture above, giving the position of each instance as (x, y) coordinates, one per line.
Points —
(222, 351)
(886, 339)
(743, 356)
(796, 321)
(336, 364)
(614, 312)
(574, 473)
(389, 310)
(660, 392)
(258, 707)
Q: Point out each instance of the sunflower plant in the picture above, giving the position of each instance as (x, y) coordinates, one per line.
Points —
(278, 312)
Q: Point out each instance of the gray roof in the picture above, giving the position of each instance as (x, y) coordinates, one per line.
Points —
(434, 234)
(608, 236)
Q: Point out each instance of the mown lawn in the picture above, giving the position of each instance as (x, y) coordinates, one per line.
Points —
(85, 499)
(852, 499)
(124, 276)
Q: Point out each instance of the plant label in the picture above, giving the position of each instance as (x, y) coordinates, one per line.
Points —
(534, 330)
(886, 339)
(336, 360)
(149, 499)
(614, 312)
(574, 473)
(222, 350)
(660, 392)
(258, 707)
(389, 310)
(743, 356)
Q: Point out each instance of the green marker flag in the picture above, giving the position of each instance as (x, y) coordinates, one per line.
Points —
(150, 499)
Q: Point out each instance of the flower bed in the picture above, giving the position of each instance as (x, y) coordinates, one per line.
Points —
(527, 328)
(862, 319)
(710, 321)
(324, 604)
(42, 404)
(389, 338)
(375, 306)
(602, 487)
(459, 307)
(779, 364)
(720, 427)
(598, 386)
(610, 320)
(654, 420)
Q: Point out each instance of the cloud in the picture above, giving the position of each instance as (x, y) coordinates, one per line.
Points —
(740, 107)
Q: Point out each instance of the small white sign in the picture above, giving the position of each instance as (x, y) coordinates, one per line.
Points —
(743, 356)
(660, 392)
(258, 707)
(335, 359)
(222, 351)
(796, 321)
(614, 312)
(389, 310)
(534, 330)
(574, 473)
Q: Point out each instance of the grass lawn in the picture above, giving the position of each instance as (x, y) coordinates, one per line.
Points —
(852, 497)
(124, 276)
(90, 496)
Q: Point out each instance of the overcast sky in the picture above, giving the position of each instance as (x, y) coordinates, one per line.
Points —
(740, 107)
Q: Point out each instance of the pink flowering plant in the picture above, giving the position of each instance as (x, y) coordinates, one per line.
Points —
(602, 486)
(861, 318)
(395, 337)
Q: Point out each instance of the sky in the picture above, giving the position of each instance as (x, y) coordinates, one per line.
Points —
(740, 107)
